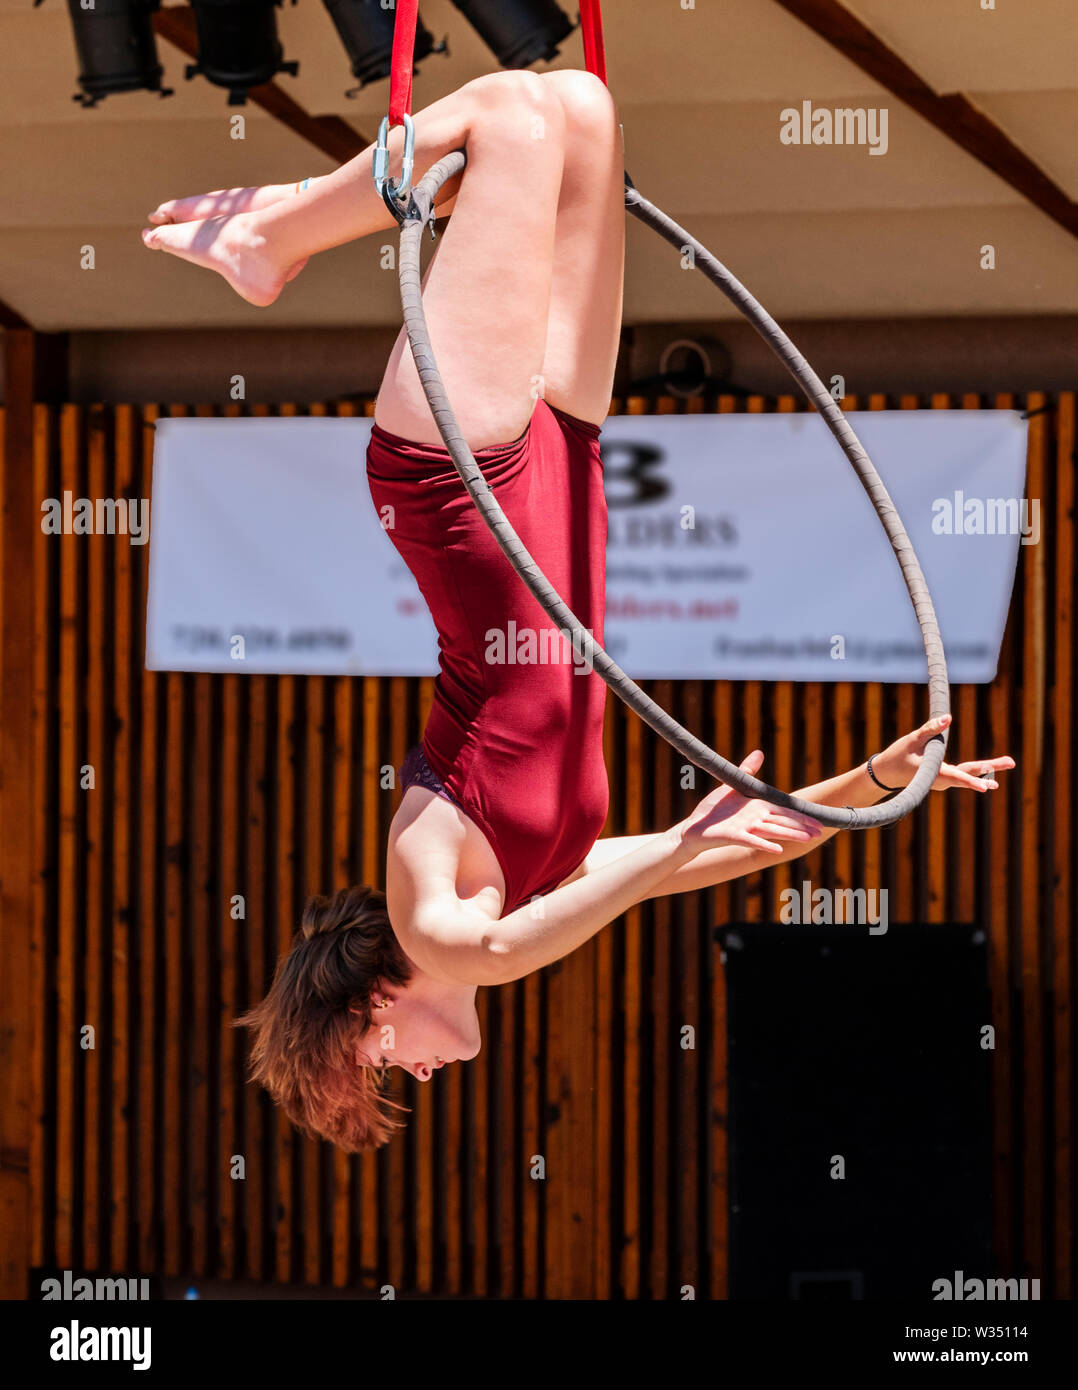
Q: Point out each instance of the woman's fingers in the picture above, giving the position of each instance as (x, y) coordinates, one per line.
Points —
(783, 832)
(751, 829)
(792, 820)
(729, 798)
(757, 842)
(728, 817)
(982, 765)
(977, 775)
(752, 765)
(922, 737)
(790, 824)
(956, 777)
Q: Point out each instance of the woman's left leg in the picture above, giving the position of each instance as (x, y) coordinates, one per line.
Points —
(584, 321)
(259, 247)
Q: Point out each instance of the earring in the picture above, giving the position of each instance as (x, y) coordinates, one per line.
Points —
(382, 1004)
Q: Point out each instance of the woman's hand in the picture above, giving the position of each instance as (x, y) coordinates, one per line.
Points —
(725, 817)
(896, 765)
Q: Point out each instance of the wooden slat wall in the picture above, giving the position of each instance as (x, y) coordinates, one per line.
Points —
(21, 830)
(212, 788)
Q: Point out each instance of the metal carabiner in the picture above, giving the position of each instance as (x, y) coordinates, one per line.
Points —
(382, 181)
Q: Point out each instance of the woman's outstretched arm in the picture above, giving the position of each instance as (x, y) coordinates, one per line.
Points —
(895, 767)
(461, 940)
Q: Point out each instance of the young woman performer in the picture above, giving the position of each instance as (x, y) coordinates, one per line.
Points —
(494, 868)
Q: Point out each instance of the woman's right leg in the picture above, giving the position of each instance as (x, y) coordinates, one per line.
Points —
(488, 287)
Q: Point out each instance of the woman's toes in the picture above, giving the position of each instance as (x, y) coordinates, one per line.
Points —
(177, 237)
(160, 238)
(184, 210)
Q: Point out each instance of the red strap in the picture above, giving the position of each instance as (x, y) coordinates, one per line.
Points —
(591, 23)
(404, 25)
(400, 71)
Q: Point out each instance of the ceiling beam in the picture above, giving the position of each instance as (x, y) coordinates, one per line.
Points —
(333, 136)
(11, 318)
(954, 115)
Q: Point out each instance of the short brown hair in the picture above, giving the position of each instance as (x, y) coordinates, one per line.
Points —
(319, 1005)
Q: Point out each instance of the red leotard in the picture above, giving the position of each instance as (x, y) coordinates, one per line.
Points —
(515, 730)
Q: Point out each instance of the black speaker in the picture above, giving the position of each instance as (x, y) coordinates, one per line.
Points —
(859, 1122)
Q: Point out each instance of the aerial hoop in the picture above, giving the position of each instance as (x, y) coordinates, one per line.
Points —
(413, 218)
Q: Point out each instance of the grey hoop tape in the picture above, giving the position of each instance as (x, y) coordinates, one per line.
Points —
(690, 747)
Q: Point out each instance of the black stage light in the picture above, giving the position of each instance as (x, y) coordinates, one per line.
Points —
(238, 47)
(519, 32)
(116, 48)
(366, 30)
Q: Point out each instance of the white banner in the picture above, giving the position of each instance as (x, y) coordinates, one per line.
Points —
(741, 547)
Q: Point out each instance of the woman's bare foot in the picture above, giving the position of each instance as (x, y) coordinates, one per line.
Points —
(231, 245)
(222, 202)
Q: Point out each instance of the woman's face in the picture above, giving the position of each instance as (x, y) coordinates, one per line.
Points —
(422, 1027)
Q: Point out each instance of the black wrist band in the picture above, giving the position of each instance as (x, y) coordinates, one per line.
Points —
(874, 778)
